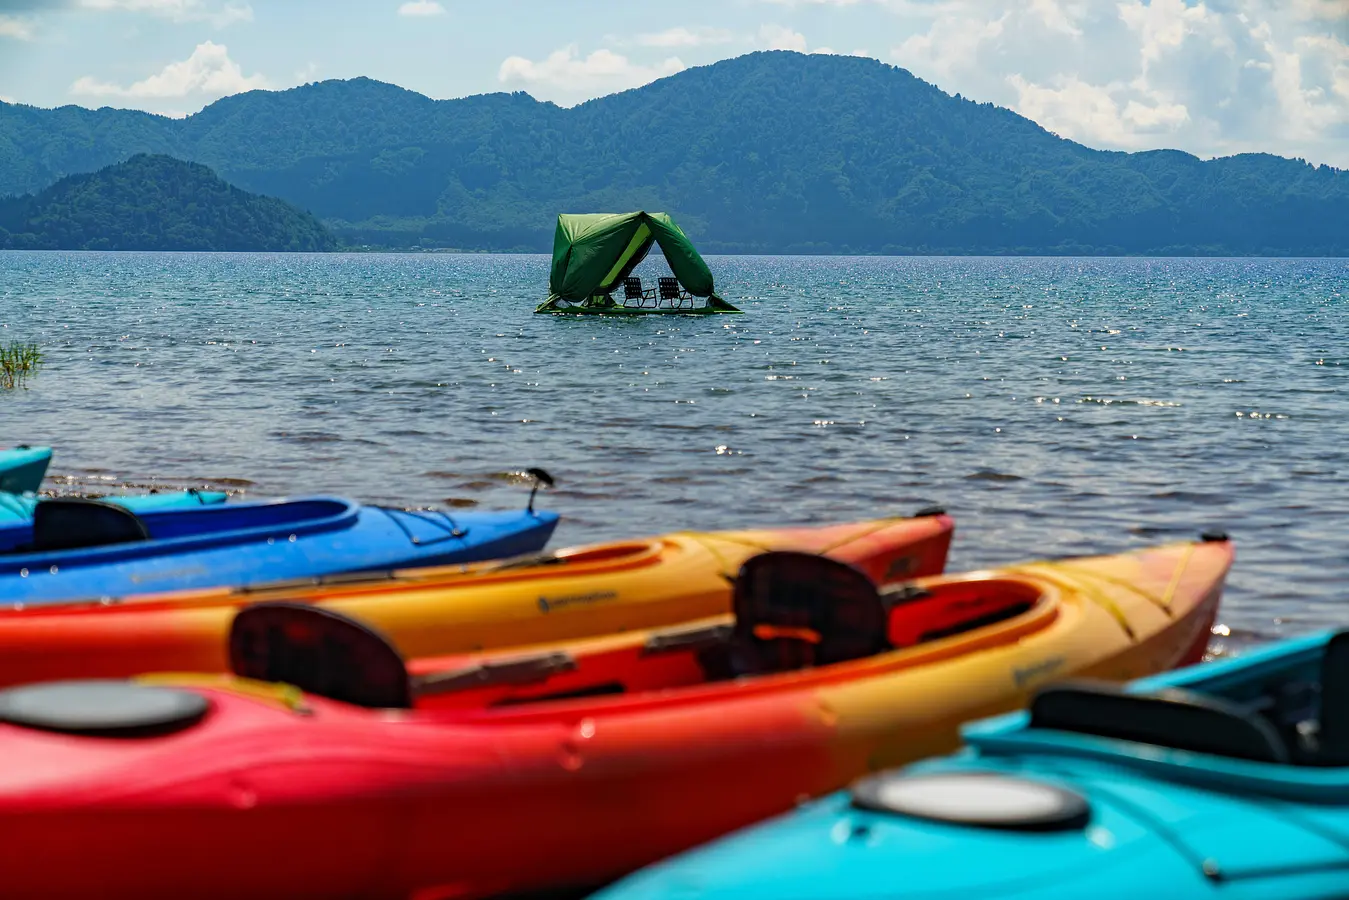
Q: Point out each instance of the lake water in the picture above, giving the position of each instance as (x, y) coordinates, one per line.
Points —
(1054, 406)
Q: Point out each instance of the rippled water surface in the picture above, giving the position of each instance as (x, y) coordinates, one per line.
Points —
(1054, 406)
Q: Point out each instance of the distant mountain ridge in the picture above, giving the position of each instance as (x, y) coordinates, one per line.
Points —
(770, 152)
(155, 203)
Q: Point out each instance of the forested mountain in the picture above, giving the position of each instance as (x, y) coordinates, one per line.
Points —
(771, 152)
(155, 203)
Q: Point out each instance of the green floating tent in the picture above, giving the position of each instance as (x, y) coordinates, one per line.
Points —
(593, 253)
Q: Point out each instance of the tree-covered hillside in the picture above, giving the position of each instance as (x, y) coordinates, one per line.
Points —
(155, 203)
(771, 152)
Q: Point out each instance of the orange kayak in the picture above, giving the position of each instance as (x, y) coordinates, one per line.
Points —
(566, 767)
(570, 594)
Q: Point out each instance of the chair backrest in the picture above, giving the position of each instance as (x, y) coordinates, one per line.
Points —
(794, 610)
(669, 288)
(320, 652)
(632, 288)
(1333, 732)
(1181, 720)
(70, 523)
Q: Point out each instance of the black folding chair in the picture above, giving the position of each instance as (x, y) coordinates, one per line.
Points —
(671, 291)
(632, 290)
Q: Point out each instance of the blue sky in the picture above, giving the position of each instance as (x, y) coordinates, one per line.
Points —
(1213, 77)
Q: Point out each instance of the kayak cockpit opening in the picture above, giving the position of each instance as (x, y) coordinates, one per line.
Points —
(619, 553)
(798, 610)
(70, 523)
(624, 551)
(282, 517)
(793, 612)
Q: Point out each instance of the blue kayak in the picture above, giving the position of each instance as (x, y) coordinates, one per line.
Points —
(22, 468)
(1227, 780)
(83, 549)
(19, 507)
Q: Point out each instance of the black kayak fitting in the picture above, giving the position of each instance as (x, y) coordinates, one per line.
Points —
(102, 708)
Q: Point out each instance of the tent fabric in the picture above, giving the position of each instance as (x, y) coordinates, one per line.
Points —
(593, 253)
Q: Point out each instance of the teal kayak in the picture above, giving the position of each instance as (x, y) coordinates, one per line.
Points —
(19, 507)
(22, 468)
(1225, 780)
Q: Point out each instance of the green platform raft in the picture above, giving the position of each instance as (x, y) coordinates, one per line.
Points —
(594, 256)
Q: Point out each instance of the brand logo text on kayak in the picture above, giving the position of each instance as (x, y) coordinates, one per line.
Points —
(1036, 670)
(901, 566)
(547, 604)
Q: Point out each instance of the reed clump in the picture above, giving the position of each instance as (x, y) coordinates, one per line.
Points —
(18, 361)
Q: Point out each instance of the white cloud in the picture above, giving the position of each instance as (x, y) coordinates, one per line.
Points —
(830, 51)
(14, 27)
(1057, 17)
(1163, 25)
(1213, 77)
(177, 10)
(685, 37)
(565, 75)
(1090, 113)
(1308, 110)
(776, 37)
(7, 99)
(421, 8)
(208, 72)
(1328, 10)
(951, 43)
(1072, 108)
(1160, 117)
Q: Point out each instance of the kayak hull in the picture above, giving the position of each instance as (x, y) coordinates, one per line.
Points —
(274, 793)
(23, 468)
(595, 590)
(244, 543)
(1162, 821)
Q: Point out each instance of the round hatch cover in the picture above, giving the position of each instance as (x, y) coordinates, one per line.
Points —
(101, 707)
(982, 800)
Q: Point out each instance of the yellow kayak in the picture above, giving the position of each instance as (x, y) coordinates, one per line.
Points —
(575, 593)
(954, 647)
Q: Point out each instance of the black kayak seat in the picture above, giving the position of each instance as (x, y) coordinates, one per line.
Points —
(794, 610)
(1333, 727)
(1173, 718)
(319, 651)
(69, 523)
